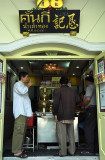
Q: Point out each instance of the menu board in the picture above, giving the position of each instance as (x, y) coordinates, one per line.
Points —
(57, 79)
(1, 69)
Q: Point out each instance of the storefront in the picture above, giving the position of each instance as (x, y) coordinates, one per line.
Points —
(32, 48)
(54, 59)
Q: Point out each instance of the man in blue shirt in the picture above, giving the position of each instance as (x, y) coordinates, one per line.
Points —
(90, 125)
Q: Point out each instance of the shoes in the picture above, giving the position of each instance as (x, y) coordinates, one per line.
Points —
(96, 154)
(60, 155)
(87, 153)
(70, 154)
(22, 155)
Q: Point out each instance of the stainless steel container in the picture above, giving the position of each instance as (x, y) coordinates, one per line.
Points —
(46, 128)
(27, 141)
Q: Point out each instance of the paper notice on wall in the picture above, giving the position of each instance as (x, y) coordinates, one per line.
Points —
(102, 100)
(101, 67)
(102, 87)
(102, 96)
(1, 66)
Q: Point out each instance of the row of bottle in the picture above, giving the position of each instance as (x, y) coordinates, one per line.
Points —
(49, 83)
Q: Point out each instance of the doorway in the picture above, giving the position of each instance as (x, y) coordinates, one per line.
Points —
(37, 69)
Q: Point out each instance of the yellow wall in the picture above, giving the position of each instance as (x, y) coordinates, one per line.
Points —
(35, 80)
(92, 19)
(75, 81)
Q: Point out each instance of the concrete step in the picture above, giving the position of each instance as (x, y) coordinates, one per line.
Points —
(56, 158)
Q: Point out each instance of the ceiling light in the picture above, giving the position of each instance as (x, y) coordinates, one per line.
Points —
(67, 64)
(50, 67)
(73, 74)
(21, 67)
(31, 62)
(77, 67)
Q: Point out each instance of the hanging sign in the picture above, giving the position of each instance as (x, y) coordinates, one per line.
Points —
(49, 21)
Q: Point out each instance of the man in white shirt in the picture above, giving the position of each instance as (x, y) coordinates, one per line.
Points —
(21, 110)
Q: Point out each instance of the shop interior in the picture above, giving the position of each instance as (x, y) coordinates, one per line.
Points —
(45, 75)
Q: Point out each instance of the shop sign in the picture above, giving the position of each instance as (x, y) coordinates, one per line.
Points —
(49, 21)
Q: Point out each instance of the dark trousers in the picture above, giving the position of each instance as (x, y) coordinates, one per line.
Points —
(90, 129)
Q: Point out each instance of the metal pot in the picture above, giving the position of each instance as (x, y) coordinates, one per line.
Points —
(27, 141)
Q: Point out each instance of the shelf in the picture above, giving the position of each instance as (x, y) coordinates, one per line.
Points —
(49, 91)
(49, 87)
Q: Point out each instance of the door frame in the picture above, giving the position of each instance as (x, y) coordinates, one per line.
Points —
(100, 115)
(2, 108)
(22, 57)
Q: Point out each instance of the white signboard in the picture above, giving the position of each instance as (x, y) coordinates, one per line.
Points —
(102, 100)
(102, 96)
(102, 87)
(101, 66)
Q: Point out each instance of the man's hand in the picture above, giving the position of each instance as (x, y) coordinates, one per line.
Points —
(55, 119)
(29, 84)
(85, 102)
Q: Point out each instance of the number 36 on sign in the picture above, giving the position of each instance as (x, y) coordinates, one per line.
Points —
(49, 3)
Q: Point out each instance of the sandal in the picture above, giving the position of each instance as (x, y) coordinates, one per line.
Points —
(87, 153)
(22, 155)
(60, 155)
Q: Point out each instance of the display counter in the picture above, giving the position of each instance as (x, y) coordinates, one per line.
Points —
(46, 128)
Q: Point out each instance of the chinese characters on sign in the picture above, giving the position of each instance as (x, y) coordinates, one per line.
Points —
(54, 21)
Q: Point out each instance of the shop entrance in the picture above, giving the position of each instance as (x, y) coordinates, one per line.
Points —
(27, 49)
(45, 75)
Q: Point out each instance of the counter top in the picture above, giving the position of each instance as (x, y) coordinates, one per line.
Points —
(45, 114)
(46, 128)
(49, 114)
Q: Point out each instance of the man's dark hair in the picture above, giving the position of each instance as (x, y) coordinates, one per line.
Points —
(22, 74)
(64, 80)
(90, 79)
